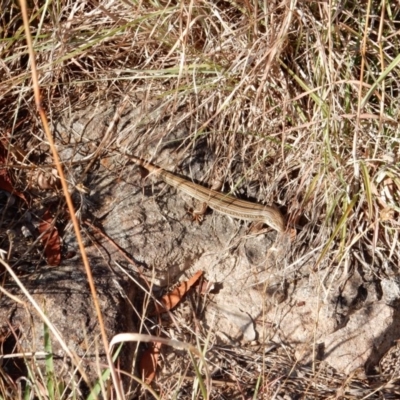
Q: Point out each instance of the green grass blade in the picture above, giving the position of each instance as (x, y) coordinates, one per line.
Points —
(49, 363)
(341, 223)
(382, 76)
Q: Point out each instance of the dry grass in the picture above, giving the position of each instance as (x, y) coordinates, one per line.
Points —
(300, 97)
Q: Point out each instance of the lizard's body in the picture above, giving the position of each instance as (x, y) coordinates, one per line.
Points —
(218, 201)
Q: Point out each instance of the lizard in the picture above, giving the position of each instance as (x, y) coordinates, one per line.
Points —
(218, 201)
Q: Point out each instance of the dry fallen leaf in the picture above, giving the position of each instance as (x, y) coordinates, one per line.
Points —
(5, 179)
(50, 239)
(48, 180)
(148, 362)
(171, 299)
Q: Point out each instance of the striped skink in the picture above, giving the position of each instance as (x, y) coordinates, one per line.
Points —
(218, 201)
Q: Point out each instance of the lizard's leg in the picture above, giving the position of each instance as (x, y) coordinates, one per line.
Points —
(258, 228)
(198, 215)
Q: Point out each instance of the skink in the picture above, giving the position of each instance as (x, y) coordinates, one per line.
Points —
(223, 203)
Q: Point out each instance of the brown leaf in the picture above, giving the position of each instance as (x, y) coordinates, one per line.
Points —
(50, 239)
(48, 180)
(5, 179)
(170, 300)
(148, 362)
